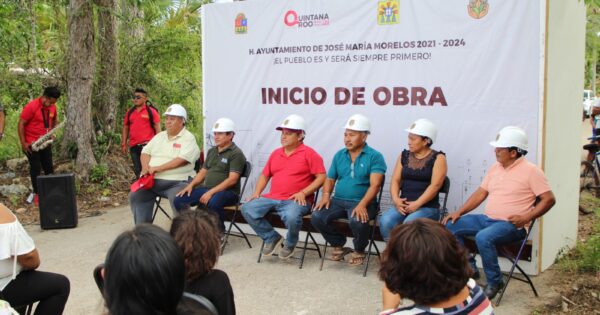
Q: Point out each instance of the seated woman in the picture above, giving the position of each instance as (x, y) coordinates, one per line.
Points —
(197, 234)
(425, 263)
(419, 174)
(143, 273)
(20, 283)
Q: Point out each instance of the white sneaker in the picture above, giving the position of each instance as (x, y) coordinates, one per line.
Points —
(30, 198)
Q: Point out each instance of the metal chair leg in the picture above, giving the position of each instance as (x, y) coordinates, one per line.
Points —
(316, 245)
(304, 250)
(260, 252)
(369, 251)
(323, 257)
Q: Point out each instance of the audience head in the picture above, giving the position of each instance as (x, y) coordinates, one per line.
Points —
(143, 273)
(424, 262)
(197, 235)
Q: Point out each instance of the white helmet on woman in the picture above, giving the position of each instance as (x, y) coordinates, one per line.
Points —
(358, 122)
(424, 128)
(294, 122)
(511, 136)
(223, 125)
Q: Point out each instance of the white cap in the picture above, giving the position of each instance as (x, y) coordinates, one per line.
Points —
(293, 122)
(223, 125)
(358, 122)
(176, 110)
(424, 128)
(511, 136)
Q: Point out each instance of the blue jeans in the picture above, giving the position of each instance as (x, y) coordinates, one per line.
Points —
(393, 217)
(342, 209)
(215, 204)
(142, 201)
(488, 233)
(290, 212)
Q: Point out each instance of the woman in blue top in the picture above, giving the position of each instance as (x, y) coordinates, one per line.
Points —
(418, 176)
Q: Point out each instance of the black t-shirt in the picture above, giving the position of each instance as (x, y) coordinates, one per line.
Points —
(216, 287)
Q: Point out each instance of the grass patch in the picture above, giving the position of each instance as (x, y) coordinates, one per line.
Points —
(585, 256)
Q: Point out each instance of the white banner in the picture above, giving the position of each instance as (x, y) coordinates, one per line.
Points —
(472, 67)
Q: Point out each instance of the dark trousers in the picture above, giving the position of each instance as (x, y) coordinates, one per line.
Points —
(136, 153)
(50, 289)
(39, 160)
(215, 204)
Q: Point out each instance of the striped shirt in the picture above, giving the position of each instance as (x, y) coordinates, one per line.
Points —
(476, 303)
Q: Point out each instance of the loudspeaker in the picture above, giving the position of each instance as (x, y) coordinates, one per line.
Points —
(58, 206)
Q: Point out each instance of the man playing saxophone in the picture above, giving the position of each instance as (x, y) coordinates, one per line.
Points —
(37, 119)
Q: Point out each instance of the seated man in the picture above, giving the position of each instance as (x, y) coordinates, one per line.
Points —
(512, 185)
(217, 184)
(359, 171)
(297, 172)
(170, 157)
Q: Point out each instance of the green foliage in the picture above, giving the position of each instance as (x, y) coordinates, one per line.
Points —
(585, 256)
(99, 174)
(10, 146)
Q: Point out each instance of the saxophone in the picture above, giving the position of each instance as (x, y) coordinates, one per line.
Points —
(46, 139)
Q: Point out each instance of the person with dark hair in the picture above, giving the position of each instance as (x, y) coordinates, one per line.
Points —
(511, 187)
(423, 262)
(169, 158)
(20, 283)
(357, 173)
(418, 177)
(197, 234)
(143, 273)
(37, 118)
(217, 184)
(140, 124)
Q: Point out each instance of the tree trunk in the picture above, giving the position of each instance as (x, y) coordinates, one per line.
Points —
(80, 79)
(108, 74)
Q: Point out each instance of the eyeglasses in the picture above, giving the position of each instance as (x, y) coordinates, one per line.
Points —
(136, 97)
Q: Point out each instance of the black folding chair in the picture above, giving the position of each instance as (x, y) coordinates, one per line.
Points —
(372, 228)
(506, 252)
(157, 207)
(236, 209)
(444, 190)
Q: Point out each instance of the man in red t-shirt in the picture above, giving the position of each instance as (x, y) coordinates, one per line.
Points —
(140, 124)
(297, 171)
(37, 118)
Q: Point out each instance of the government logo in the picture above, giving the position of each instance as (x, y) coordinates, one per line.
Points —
(388, 12)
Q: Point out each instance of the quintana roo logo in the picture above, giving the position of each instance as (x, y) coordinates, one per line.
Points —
(241, 24)
(388, 12)
(478, 8)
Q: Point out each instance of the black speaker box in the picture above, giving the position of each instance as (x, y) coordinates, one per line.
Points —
(58, 206)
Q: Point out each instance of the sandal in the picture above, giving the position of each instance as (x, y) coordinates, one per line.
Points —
(338, 253)
(357, 258)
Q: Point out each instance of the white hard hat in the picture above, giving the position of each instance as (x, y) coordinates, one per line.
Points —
(176, 110)
(223, 125)
(511, 136)
(294, 122)
(358, 122)
(424, 128)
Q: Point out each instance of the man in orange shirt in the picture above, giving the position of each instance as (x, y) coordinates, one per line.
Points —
(511, 187)
(37, 118)
(141, 123)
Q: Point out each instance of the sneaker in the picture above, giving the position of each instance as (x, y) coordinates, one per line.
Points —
(286, 252)
(492, 289)
(270, 248)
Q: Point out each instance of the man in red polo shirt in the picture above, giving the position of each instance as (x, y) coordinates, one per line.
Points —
(140, 124)
(37, 118)
(297, 171)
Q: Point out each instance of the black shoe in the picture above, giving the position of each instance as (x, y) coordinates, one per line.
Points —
(492, 289)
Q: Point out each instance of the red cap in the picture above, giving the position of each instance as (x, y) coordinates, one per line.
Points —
(145, 182)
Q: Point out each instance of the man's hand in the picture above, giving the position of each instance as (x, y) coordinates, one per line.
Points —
(323, 203)
(185, 191)
(26, 148)
(153, 169)
(206, 197)
(123, 147)
(299, 198)
(361, 214)
(411, 207)
(453, 217)
(254, 196)
(518, 220)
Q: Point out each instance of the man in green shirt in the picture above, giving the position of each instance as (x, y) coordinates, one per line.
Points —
(217, 184)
